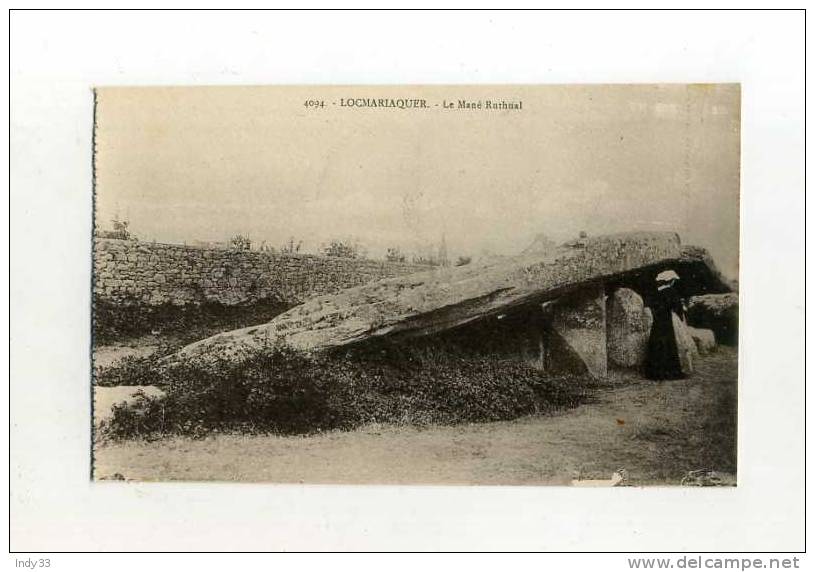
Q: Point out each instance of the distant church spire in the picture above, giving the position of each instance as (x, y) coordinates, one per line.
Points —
(443, 258)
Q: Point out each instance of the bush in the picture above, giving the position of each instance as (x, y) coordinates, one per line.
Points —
(276, 389)
(343, 249)
(240, 242)
(141, 418)
(131, 370)
(117, 322)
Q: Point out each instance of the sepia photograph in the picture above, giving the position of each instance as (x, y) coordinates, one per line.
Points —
(522, 286)
(416, 284)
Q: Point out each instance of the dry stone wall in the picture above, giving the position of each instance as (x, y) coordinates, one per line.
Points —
(132, 273)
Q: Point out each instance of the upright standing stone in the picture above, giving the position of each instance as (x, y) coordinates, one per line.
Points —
(684, 345)
(628, 325)
(579, 320)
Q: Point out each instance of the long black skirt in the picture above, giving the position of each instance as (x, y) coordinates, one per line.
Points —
(662, 359)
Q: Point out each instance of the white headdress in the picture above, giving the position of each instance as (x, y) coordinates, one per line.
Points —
(667, 276)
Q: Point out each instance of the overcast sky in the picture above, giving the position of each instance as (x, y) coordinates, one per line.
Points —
(186, 164)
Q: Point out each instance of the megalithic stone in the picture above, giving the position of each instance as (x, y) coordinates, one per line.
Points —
(684, 345)
(427, 303)
(579, 320)
(628, 324)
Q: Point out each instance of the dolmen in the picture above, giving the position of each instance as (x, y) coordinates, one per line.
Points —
(581, 307)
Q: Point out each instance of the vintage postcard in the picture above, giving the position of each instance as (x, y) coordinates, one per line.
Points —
(484, 284)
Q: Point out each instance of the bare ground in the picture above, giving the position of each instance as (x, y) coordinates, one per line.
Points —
(658, 431)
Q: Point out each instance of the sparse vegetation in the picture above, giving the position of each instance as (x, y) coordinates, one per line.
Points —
(394, 255)
(343, 249)
(240, 242)
(266, 247)
(291, 246)
(120, 230)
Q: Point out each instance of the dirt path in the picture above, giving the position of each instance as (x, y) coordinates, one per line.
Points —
(656, 430)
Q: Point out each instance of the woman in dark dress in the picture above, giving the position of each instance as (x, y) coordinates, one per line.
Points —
(662, 359)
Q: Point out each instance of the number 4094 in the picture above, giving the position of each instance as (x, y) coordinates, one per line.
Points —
(314, 103)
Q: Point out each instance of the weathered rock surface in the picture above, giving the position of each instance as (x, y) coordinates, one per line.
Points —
(705, 339)
(717, 312)
(443, 298)
(684, 345)
(628, 328)
(580, 322)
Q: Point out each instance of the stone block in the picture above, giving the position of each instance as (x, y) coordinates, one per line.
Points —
(579, 321)
(628, 326)
(685, 345)
(705, 339)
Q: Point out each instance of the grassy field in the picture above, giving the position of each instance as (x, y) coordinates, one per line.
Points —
(657, 431)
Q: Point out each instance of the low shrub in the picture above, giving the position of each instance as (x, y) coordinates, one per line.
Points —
(143, 417)
(277, 389)
(131, 319)
(130, 370)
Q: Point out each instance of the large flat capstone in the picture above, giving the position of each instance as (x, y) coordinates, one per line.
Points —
(443, 298)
